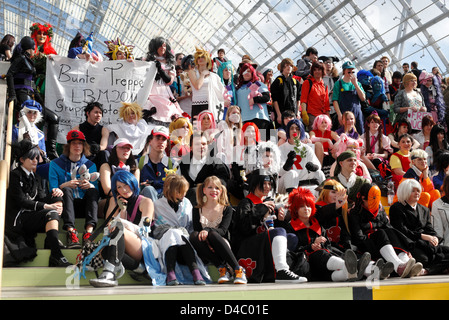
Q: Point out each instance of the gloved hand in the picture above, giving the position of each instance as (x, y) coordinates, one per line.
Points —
(312, 166)
(290, 160)
(305, 117)
(121, 203)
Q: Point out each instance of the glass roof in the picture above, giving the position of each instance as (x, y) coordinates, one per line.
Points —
(266, 30)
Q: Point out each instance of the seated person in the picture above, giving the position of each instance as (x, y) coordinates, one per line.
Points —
(348, 126)
(32, 111)
(121, 158)
(155, 164)
(255, 239)
(345, 174)
(376, 145)
(172, 226)
(287, 115)
(441, 167)
(347, 143)
(323, 137)
(63, 174)
(180, 131)
(400, 128)
(400, 160)
(419, 171)
(29, 209)
(300, 166)
(131, 126)
(197, 165)
(96, 135)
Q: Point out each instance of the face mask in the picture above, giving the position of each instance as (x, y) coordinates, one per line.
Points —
(234, 118)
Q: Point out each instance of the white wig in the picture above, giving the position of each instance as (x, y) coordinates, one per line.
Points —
(39, 114)
(405, 189)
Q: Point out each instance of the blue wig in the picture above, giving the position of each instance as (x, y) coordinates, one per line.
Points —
(300, 125)
(364, 77)
(127, 178)
(228, 65)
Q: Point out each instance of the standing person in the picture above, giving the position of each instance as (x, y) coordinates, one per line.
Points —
(125, 248)
(219, 59)
(6, 45)
(63, 175)
(430, 86)
(285, 91)
(161, 104)
(260, 246)
(211, 221)
(207, 89)
(21, 81)
(304, 65)
(314, 96)
(173, 225)
(29, 209)
(226, 73)
(96, 134)
(414, 221)
(254, 109)
(348, 95)
(409, 98)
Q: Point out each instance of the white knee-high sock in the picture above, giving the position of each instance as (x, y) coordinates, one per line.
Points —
(404, 257)
(339, 275)
(388, 253)
(369, 269)
(279, 253)
(335, 263)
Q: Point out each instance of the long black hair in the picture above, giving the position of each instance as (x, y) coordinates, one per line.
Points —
(433, 142)
(155, 44)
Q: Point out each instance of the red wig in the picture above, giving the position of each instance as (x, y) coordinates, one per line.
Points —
(243, 68)
(48, 30)
(245, 126)
(298, 198)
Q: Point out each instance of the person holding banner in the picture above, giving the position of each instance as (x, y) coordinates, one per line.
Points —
(161, 103)
(410, 99)
(21, 82)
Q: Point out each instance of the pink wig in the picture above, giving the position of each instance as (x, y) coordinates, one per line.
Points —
(320, 119)
(346, 141)
(201, 116)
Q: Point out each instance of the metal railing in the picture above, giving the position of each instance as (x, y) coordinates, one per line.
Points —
(5, 166)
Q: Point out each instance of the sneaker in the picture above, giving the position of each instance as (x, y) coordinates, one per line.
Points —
(416, 270)
(404, 268)
(224, 275)
(106, 279)
(351, 264)
(240, 276)
(86, 236)
(61, 262)
(362, 264)
(72, 240)
(287, 276)
(385, 268)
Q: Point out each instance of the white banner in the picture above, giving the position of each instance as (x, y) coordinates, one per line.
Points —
(72, 83)
(415, 118)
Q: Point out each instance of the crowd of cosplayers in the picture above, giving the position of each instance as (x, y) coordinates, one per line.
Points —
(314, 174)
